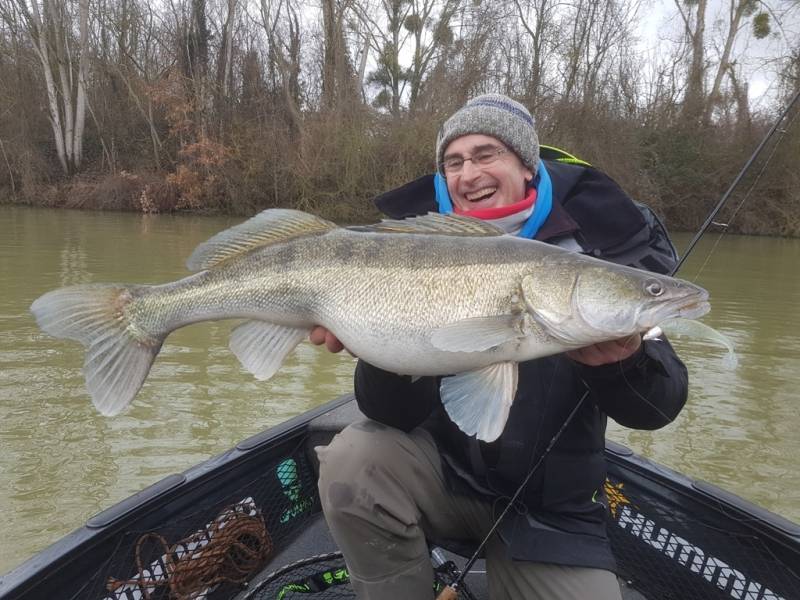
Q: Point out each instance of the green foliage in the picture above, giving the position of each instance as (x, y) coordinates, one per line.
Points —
(413, 23)
(380, 76)
(761, 25)
(749, 7)
(443, 35)
(383, 99)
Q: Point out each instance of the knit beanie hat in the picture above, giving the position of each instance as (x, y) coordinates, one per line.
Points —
(498, 116)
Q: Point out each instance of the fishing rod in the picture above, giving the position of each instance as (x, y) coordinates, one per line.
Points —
(736, 181)
(450, 592)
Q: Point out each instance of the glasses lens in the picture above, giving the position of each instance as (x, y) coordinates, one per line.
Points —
(453, 165)
(482, 158)
(487, 157)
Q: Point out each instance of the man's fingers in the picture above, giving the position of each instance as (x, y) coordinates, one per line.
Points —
(318, 335)
(332, 343)
(606, 352)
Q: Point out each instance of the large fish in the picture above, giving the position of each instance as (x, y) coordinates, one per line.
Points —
(432, 295)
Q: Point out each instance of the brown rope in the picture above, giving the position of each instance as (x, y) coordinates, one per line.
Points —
(230, 550)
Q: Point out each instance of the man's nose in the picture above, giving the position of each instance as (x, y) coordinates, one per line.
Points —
(469, 170)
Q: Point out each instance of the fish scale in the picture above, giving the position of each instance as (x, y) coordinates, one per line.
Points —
(433, 295)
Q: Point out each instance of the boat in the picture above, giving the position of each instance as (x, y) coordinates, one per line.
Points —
(247, 525)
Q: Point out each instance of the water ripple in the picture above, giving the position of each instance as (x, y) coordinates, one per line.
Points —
(62, 462)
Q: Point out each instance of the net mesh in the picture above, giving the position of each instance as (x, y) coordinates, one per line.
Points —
(679, 549)
(217, 543)
(212, 548)
(326, 577)
(323, 576)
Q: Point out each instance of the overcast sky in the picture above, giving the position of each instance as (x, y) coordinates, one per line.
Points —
(662, 23)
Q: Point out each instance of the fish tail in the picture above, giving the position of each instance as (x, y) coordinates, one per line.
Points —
(118, 353)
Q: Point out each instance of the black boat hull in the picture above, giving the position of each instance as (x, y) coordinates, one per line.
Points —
(673, 537)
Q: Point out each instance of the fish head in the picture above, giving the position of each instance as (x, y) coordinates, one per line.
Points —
(586, 301)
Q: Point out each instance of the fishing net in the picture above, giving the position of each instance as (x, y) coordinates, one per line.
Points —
(325, 577)
(240, 533)
(214, 544)
(674, 550)
(215, 537)
(320, 577)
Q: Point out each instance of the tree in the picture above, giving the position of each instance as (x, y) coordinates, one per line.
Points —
(225, 58)
(339, 87)
(281, 23)
(738, 12)
(435, 19)
(389, 76)
(537, 19)
(593, 37)
(693, 15)
(419, 29)
(49, 27)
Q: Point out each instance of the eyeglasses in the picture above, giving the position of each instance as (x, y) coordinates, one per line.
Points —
(483, 158)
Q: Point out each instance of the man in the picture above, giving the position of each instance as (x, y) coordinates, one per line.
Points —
(408, 474)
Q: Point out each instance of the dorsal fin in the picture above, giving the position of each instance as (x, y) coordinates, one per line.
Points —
(435, 224)
(271, 226)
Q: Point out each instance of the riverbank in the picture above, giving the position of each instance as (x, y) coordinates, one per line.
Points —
(776, 213)
(150, 192)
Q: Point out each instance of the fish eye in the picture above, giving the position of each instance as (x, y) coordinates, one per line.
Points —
(654, 288)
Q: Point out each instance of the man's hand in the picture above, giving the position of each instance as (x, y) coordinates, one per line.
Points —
(319, 335)
(606, 353)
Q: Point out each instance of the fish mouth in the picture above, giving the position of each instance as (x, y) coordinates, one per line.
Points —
(692, 306)
(694, 310)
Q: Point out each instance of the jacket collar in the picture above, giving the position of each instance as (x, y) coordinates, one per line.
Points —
(558, 223)
(418, 198)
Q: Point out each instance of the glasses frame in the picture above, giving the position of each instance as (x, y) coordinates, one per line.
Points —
(482, 158)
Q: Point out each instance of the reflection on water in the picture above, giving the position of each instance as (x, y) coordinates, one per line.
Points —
(740, 427)
(62, 462)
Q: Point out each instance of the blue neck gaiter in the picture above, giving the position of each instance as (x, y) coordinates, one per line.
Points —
(541, 210)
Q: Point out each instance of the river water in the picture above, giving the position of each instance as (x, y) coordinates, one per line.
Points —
(62, 462)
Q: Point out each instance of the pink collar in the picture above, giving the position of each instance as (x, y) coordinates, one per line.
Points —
(497, 212)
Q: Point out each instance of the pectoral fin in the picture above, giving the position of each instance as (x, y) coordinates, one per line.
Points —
(261, 347)
(475, 335)
(479, 401)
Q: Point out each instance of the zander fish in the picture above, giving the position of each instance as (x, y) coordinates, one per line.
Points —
(431, 295)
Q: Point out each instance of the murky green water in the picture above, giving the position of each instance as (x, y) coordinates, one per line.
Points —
(62, 462)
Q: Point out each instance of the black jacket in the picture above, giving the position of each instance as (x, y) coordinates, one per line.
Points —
(562, 516)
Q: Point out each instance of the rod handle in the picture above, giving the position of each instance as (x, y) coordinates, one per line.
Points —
(448, 593)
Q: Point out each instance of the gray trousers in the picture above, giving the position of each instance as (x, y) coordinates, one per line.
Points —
(383, 492)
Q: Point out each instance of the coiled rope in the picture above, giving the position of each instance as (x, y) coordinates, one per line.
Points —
(229, 550)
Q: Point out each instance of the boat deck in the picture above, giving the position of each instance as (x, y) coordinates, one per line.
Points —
(315, 539)
(674, 538)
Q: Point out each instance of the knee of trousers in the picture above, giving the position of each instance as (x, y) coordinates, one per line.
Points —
(366, 465)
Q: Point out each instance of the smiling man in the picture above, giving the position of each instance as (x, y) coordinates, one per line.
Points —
(488, 153)
(408, 474)
(485, 177)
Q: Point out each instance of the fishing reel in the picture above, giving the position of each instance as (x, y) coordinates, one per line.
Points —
(445, 574)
